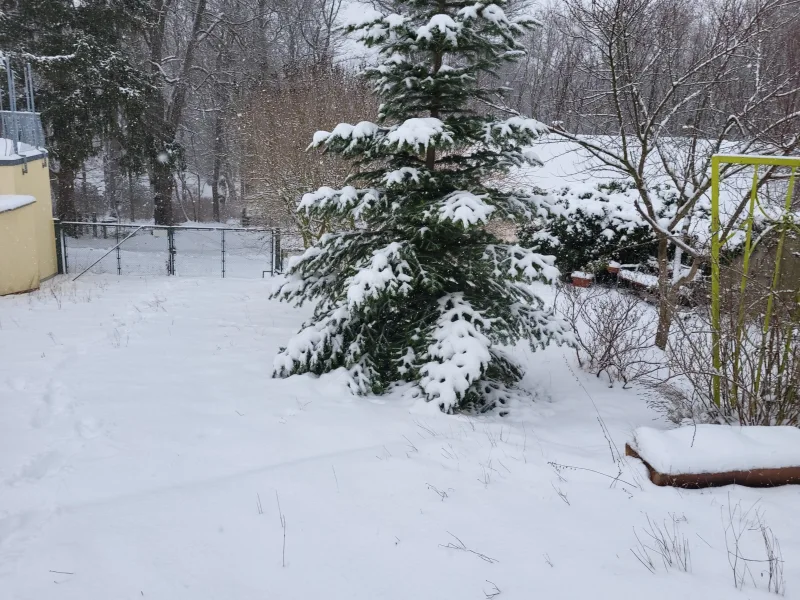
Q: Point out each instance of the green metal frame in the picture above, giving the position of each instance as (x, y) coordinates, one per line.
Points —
(793, 163)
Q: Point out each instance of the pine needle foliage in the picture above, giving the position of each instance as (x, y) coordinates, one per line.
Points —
(418, 290)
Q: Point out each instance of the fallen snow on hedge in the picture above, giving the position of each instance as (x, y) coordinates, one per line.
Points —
(718, 448)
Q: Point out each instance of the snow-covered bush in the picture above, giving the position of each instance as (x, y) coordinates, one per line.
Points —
(613, 332)
(421, 292)
(588, 227)
(760, 374)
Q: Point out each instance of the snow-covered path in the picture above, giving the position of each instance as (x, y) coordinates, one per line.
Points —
(144, 449)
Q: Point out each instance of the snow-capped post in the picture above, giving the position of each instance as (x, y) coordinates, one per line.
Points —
(418, 290)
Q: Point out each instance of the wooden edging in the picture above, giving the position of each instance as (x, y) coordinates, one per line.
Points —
(752, 478)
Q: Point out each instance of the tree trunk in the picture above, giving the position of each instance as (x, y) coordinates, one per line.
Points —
(65, 206)
(131, 197)
(665, 299)
(215, 201)
(162, 194)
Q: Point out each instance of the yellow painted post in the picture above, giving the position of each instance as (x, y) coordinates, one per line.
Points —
(748, 251)
(715, 247)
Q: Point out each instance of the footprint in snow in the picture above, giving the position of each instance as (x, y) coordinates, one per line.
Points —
(18, 384)
(41, 466)
(55, 401)
(89, 428)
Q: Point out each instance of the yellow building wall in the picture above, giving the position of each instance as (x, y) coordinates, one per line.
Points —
(19, 250)
(36, 183)
(38, 216)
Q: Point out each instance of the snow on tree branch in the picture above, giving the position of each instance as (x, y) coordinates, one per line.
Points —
(459, 355)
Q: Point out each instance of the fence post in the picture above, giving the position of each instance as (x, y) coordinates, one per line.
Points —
(278, 250)
(223, 253)
(171, 243)
(94, 227)
(59, 250)
(66, 254)
(277, 265)
(119, 258)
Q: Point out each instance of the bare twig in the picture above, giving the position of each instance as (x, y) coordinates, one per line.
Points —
(283, 526)
(461, 546)
(440, 493)
(561, 494)
(558, 466)
(411, 445)
(494, 592)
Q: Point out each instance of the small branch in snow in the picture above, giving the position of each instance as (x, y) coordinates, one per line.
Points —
(56, 297)
(461, 546)
(258, 504)
(336, 478)
(439, 492)
(561, 494)
(425, 428)
(62, 572)
(492, 593)
(490, 436)
(487, 477)
(646, 561)
(413, 447)
(615, 479)
(283, 526)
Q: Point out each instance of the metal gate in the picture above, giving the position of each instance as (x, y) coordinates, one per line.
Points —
(153, 250)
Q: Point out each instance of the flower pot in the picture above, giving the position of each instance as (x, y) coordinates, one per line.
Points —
(580, 279)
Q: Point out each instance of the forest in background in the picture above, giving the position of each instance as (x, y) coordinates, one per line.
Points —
(201, 110)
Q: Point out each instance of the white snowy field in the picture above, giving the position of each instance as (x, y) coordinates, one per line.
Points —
(144, 449)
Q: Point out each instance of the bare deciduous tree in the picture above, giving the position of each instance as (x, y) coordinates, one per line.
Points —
(676, 82)
(278, 125)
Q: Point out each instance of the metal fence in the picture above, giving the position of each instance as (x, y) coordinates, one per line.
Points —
(130, 249)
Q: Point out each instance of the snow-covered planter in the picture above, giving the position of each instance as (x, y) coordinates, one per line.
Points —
(581, 279)
(613, 267)
(635, 279)
(711, 455)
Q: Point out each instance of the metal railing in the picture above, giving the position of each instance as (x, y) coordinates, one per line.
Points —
(135, 249)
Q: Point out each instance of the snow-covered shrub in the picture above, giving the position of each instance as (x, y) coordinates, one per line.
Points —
(588, 227)
(759, 347)
(613, 332)
(421, 291)
(760, 374)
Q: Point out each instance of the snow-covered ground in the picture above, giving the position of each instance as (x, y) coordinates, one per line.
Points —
(145, 450)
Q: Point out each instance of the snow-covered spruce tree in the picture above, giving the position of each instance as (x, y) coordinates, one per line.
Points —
(418, 291)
